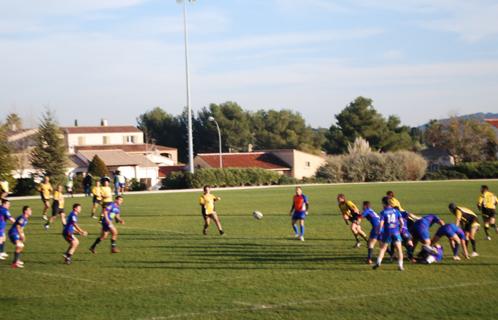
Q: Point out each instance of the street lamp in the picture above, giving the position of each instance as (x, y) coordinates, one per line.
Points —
(187, 77)
(212, 119)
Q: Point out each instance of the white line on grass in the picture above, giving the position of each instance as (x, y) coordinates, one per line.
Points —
(261, 307)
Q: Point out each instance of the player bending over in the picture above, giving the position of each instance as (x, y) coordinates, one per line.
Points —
(469, 222)
(111, 212)
(390, 224)
(57, 207)
(299, 211)
(350, 213)
(4, 217)
(421, 230)
(374, 219)
(208, 210)
(456, 236)
(17, 237)
(393, 201)
(68, 233)
(487, 205)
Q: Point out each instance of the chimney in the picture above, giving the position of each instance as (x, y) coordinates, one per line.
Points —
(250, 147)
(103, 123)
(75, 122)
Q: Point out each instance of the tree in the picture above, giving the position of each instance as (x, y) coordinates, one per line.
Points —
(7, 163)
(13, 122)
(97, 167)
(49, 153)
(466, 140)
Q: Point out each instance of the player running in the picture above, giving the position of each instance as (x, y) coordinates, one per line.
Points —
(207, 201)
(97, 198)
(57, 207)
(390, 225)
(45, 189)
(4, 188)
(17, 237)
(374, 219)
(421, 230)
(4, 217)
(487, 205)
(350, 213)
(456, 236)
(111, 212)
(299, 212)
(68, 233)
(469, 222)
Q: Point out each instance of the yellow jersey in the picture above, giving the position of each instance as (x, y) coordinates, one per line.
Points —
(45, 190)
(393, 202)
(207, 202)
(348, 208)
(106, 194)
(465, 215)
(96, 192)
(59, 196)
(4, 186)
(487, 200)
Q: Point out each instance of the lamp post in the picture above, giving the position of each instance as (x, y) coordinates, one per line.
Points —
(212, 119)
(187, 77)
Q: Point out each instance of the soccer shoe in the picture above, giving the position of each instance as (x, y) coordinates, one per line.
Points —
(222, 233)
(92, 250)
(474, 254)
(17, 265)
(357, 245)
(301, 238)
(46, 226)
(204, 232)
(68, 261)
(488, 238)
(115, 250)
(376, 266)
(369, 261)
(456, 258)
(2, 257)
(44, 217)
(94, 217)
(401, 268)
(20, 262)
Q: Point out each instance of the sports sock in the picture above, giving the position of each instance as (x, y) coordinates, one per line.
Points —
(69, 255)
(400, 263)
(295, 229)
(474, 247)
(370, 251)
(97, 241)
(486, 229)
(455, 249)
(17, 257)
(2, 247)
(302, 229)
(379, 261)
(356, 237)
(409, 251)
(113, 243)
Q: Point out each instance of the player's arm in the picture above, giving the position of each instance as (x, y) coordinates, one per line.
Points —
(480, 202)
(463, 243)
(380, 227)
(458, 219)
(441, 222)
(63, 218)
(79, 230)
(119, 220)
(20, 231)
(401, 222)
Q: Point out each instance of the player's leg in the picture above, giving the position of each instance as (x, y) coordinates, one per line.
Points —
(382, 251)
(354, 231)
(207, 222)
(73, 245)
(301, 229)
(3, 255)
(399, 249)
(472, 238)
(486, 219)
(103, 236)
(294, 227)
(17, 263)
(217, 222)
(114, 238)
(46, 206)
(492, 222)
(371, 245)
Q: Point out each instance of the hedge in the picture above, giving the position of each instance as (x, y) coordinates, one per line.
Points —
(468, 170)
(229, 177)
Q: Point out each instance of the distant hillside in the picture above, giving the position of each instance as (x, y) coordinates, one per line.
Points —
(480, 116)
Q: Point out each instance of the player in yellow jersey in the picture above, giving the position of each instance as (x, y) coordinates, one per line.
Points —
(350, 213)
(468, 221)
(45, 189)
(393, 202)
(57, 207)
(106, 192)
(97, 198)
(4, 189)
(207, 201)
(487, 205)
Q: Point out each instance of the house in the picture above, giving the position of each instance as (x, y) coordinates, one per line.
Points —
(437, 158)
(291, 162)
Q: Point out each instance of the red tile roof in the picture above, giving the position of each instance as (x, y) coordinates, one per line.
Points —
(263, 160)
(138, 148)
(166, 171)
(100, 129)
(493, 122)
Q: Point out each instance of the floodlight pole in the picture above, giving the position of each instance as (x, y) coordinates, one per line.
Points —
(219, 139)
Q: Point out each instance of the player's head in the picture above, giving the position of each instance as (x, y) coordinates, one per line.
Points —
(366, 205)
(97, 183)
(119, 200)
(105, 182)
(385, 201)
(5, 203)
(59, 188)
(452, 207)
(46, 179)
(390, 194)
(484, 188)
(77, 208)
(341, 198)
(26, 211)
(299, 191)
(207, 189)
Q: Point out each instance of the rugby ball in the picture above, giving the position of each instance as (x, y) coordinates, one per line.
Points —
(257, 215)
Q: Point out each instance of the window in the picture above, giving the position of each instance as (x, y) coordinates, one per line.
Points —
(81, 140)
(308, 164)
(130, 139)
(105, 140)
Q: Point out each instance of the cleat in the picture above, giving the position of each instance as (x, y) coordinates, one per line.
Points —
(369, 261)
(301, 238)
(68, 261)
(46, 226)
(401, 268)
(4, 255)
(357, 245)
(44, 217)
(488, 238)
(3, 258)
(204, 232)
(20, 262)
(474, 254)
(115, 250)
(375, 266)
(92, 250)
(17, 265)
(296, 236)
(94, 217)
(222, 232)
(456, 258)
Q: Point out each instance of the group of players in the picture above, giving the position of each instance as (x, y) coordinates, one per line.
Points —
(102, 196)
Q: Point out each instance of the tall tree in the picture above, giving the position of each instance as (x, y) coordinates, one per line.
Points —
(97, 167)
(49, 154)
(13, 122)
(7, 163)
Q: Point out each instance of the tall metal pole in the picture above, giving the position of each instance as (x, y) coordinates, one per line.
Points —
(189, 105)
(219, 141)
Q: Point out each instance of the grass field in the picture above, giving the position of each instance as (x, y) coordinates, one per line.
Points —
(168, 270)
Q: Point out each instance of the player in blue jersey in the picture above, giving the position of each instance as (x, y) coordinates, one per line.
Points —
(299, 212)
(70, 228)
(111, 212)
(456, 236)
(374, 219)
(430, 256)
(389, 228)
(17, 237)
(421, 230)
(406, 236)
(4, 217)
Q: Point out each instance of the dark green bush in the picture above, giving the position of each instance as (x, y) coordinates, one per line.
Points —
(136, 185)
(478, 170)
(444, 174)
(25, 187)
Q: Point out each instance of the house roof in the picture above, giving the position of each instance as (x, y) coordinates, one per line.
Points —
(263, 160)
(167, 170)
(133, 148)
(493, 122)
(117, 158)
(434, 153)
(100, 129)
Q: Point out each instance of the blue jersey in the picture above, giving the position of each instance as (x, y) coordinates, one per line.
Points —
(4, 217)
(21, 221)
(428, 220)
(449, 230)
(111, 212)
(372, 217)
(71, 220)
(391, 218)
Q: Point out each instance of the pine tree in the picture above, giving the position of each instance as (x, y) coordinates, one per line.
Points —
(6, 159)
(49, 154)
(97, 167)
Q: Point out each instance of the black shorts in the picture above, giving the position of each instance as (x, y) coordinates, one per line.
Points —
(96, 201)
(488, 213)
(43, 199)
(354, 217)
(105, 204)
(55, 209)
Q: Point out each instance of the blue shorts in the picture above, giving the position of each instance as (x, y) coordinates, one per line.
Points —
(69, 237)
(390, 237)
(107, 227)
(2, 232)
(14, 237)
(374, 234)
(406, 235)
(299, 215)
(422, 232)
(122, 185)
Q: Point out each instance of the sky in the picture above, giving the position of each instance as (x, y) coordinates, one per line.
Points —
(115, 59)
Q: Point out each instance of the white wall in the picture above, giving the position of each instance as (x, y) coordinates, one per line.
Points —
(91, 139)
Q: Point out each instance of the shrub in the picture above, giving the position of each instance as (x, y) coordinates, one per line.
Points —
(478, 170)
(331, 171)
(97, 167)
(286, 180)
(136, 185)
(444, 174)
(175, 180)
(412, 164)
(25, 187)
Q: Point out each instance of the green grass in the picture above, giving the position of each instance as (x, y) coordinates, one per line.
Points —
(167, 269)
